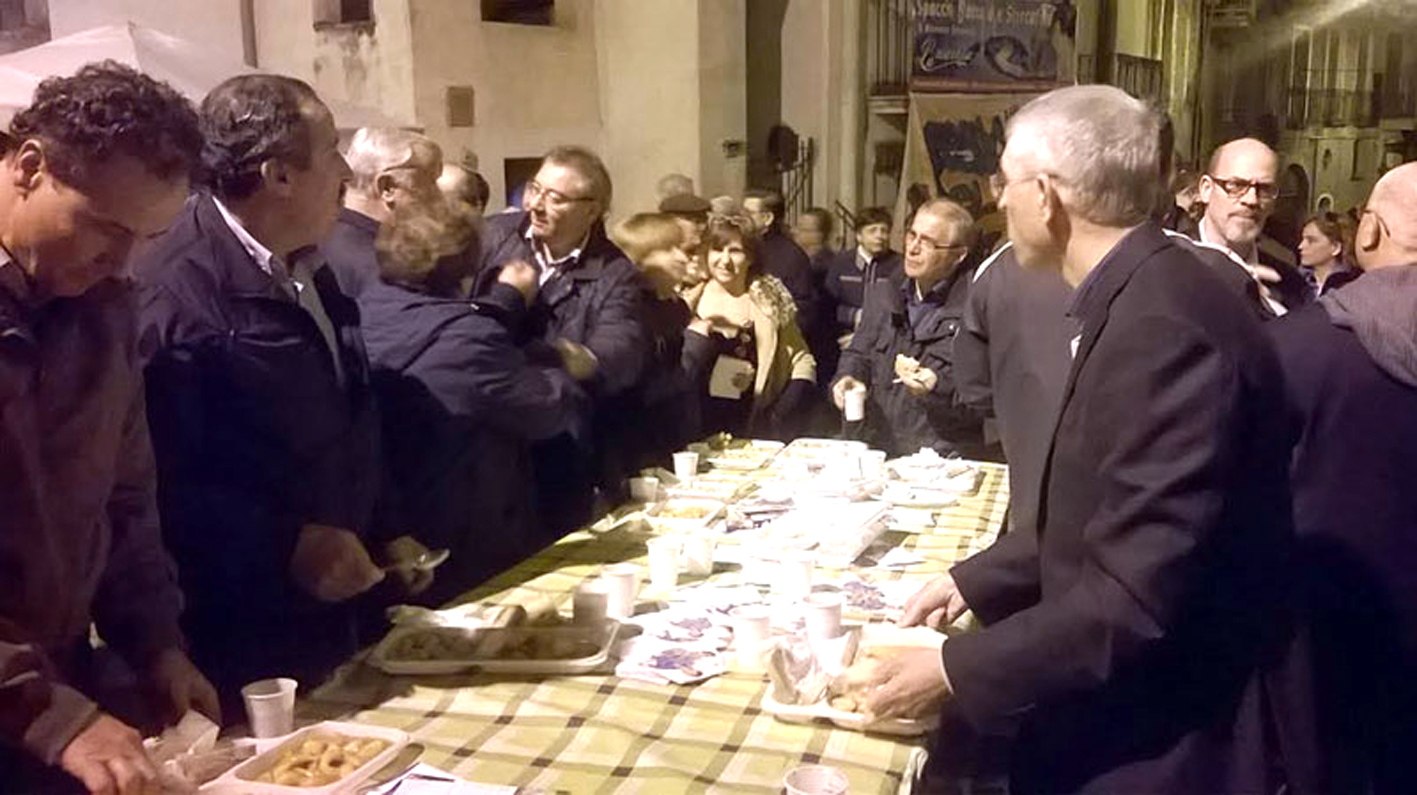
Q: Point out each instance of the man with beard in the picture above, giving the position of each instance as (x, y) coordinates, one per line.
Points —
(1239, 189)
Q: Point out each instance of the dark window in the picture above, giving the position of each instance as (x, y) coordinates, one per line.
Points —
(343, 12)
(519, 12)
(518, 171)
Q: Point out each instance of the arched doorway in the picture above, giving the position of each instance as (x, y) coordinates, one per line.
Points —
(1292, 206)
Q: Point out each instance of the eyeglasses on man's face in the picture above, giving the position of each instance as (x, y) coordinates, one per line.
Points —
(1236, 188)
(555, 199)
(912, 239)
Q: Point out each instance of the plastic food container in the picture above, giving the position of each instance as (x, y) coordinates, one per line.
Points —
(566, 649)
(684, 514)
(241, 779)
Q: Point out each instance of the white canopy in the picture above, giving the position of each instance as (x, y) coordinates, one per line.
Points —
(185, 65)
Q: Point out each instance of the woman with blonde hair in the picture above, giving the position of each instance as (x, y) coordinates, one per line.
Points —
(744, 344)
(661, 416)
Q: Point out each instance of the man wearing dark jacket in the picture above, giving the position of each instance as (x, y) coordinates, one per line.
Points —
(903, 353)
(1131, 631)
(98, 162)
(258, 395)
(1011, 362)
(847, 282)
(1350, 365)
(461, 403)
(787, 261)
(588, 307)
(392, 170)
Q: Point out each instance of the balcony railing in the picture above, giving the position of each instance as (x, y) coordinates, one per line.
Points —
(888, 50)
(1330, 107)
(1141, 77)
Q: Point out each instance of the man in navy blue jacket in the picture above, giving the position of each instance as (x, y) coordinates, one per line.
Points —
(1350, 366)
(588, 308)
(258, 395)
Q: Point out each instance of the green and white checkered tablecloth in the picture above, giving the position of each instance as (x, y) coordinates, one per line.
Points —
(602, 734)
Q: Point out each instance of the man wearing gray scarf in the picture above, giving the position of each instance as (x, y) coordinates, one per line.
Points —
(1350, 365)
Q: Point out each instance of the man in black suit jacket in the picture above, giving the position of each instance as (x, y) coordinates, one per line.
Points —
(1350, 366)
(1130, 630)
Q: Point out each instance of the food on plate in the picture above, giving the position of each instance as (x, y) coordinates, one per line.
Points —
(536, 646)
(906, 367)
(685, 512)
(321, 759)
(539, 643)
(850, 691)
(433, 644)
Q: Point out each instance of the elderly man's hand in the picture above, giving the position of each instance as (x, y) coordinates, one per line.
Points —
(177, 686)
(109, 759)
(332, 564)
(921, 382)
(578, 360)
(522, 277)
(910, 685)
(840, 388)
(937, 604)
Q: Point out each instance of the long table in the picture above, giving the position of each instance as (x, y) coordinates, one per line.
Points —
(601, 734)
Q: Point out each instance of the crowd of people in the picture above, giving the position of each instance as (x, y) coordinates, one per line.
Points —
(248, 376)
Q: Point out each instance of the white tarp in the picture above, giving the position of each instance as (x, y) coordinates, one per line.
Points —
(186, 65)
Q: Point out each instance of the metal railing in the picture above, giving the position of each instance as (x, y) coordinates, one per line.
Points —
(1330, 107)
(1143, 78)
(795, 180)
(888, 49)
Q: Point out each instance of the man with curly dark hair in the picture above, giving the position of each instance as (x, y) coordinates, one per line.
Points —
(99, 162)
(262, 416)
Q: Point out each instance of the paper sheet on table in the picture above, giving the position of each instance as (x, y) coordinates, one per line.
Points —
(727, 371)
(409, 785)
(898, 558)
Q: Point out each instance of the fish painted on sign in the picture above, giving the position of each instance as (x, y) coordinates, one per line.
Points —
(1009, 56)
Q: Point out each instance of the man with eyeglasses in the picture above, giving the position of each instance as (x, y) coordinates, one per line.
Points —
(587, 314)
(1350, 366)
(1125, 636)
(1239, 189)
(902, 352)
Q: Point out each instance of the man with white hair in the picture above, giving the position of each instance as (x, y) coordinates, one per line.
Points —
(392, 171)
(1350, 365)
(1239, 189)
(1128, 630)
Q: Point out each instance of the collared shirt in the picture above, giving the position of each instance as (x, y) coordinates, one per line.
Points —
(1249, 264)
(298, 283)
(863, 260)
(13, 278)
(547, 267)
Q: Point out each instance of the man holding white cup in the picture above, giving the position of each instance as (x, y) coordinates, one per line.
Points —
(896, 374)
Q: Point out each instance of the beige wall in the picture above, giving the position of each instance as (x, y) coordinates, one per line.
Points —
(722, 89)
(534, 86)
(648, 59)
(215, 23)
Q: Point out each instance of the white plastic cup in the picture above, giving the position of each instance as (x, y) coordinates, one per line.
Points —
(752, 628)
(816, 780)
(686, 466)
(794, 574)
(644, 490)
(270, 707)
(590, 606)
(823, 614)
(664, 562)
(697, 555)
(621, 584)
(855, 404)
